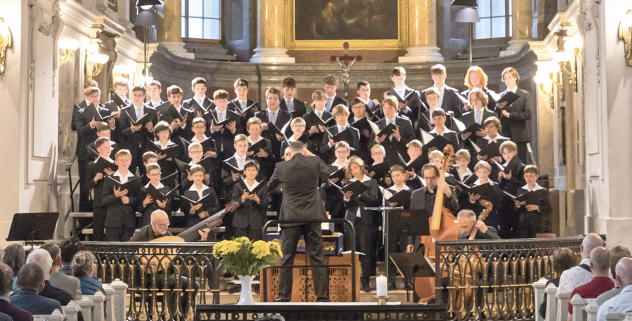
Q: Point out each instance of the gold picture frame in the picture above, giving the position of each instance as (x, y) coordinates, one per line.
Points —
(400, 43)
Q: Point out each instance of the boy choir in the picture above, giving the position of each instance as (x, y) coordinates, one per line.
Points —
(227, 149)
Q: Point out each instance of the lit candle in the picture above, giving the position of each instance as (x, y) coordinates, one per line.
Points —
(380, 284)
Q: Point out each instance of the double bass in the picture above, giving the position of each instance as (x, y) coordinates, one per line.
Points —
(443, 226)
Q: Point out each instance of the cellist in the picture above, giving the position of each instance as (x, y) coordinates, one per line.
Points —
(424, 199)
(467, 221)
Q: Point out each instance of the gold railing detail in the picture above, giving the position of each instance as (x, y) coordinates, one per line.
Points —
(492, 280)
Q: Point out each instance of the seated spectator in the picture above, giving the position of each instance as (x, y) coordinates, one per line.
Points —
(31, 282)
(43, 259)
(14, 257)
(563, 259)
(83, 269)
(69, 248)
(580, 275)
(65, 282)
(6, 285)
(621, 303)
(601, 281)
(616, 254)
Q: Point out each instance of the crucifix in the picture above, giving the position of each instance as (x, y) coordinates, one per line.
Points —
(345, 64)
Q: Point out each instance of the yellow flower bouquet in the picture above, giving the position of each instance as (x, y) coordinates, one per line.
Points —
(243, 257)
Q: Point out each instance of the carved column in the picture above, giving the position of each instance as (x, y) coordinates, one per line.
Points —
(521, 24)
(422, 32)
(271, 33)
(169, 31)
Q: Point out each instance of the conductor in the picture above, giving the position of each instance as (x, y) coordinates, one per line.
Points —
(299, 178)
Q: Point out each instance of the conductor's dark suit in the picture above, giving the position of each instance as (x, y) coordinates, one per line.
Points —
(299, 178)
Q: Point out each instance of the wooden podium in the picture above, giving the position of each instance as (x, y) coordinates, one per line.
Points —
(339, 280)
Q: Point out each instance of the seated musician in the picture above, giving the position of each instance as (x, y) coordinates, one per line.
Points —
(467, 221)
(158, 228)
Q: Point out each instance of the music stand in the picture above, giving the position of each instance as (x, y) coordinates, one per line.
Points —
(385, 210)
(412, 265)
(33, 226)
(411, 222)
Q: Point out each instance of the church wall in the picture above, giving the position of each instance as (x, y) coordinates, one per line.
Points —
(619, 114)
(12, 85)
(608, 92)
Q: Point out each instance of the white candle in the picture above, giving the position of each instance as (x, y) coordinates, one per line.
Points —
(381, 285)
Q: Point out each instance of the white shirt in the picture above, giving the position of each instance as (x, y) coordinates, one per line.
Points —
(142, 110)
(108, 159)
(387, 193)
(251, 142)
(157, 187)
(288, 104)
(435, 131)
(478, 182)
(200, 100)
(468, 172)
(441, 92)
(513, 90)
(400, 92)
(364, 179)
(251, 187)
(155, 103)
(575, 276)
(621, 303)
(158, 143)
(199, 192)
(196, 140)
(337, 165)
(320, 113)
(495, 140)
(536, 188)
(123, 179)
(243, 161)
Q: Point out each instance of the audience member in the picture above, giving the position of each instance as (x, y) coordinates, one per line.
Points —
(581, 274)
(14, 257)
(65, 282)
(31, 282)
(601, 281)
(563, 259)
(6, 285)
(83, 269)
(621, 303)
(44, 260)
(69, 248)
(616, 254)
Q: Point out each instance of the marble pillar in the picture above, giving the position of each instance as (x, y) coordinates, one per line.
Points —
(169, 31)
(422, 32)
(521, 25)
(271, 33)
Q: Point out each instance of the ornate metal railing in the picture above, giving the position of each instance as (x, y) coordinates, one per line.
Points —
(165, 280)
(493, 279)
